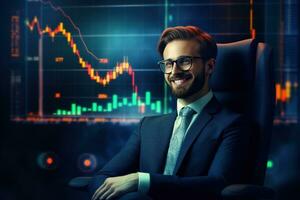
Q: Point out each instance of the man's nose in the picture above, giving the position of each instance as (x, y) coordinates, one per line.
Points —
(175, 68)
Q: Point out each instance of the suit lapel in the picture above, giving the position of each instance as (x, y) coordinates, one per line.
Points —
(196, 128)
(163, 135)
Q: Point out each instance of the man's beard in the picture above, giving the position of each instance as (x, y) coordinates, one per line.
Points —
(195, 87)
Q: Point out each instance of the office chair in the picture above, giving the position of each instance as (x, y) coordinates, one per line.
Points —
(243, 81)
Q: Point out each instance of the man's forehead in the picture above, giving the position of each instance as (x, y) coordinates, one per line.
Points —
(182, 42)
(177, 48)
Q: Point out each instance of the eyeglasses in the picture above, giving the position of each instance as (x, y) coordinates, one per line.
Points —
(184, 63)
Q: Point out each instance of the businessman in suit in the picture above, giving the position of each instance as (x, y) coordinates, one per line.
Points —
(193, 152)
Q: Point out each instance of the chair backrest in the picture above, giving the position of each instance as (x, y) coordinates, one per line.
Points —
(243, 81)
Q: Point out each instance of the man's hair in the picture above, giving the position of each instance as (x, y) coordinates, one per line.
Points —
(207, 44)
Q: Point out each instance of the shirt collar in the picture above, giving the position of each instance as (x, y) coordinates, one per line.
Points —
(199, 104)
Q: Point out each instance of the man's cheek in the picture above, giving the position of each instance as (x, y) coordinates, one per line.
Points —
(167, 80)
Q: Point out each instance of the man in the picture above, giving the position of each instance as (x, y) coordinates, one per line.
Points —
(192, 153)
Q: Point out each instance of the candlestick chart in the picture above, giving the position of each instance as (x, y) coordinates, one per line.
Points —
(86, 68)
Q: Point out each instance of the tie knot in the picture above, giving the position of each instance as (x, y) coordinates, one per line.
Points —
(186, 112)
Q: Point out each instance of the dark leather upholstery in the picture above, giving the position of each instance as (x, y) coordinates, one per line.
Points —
(243, 81)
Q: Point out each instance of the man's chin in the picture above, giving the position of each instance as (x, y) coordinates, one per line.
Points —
(180, 93)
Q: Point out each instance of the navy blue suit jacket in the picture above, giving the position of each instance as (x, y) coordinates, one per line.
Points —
(216, 152)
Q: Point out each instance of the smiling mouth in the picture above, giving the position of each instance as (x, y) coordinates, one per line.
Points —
(180, 81)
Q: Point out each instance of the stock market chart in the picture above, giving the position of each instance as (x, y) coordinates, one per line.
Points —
(98, 66)
(84, 61)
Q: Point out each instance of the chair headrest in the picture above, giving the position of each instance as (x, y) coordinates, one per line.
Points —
(233, 75)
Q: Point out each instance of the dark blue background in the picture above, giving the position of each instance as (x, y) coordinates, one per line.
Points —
(22, 143)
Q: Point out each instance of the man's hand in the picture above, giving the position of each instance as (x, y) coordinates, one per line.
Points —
(116, 186)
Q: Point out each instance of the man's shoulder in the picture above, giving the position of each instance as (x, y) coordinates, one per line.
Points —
(157, 123)
(228, 117)
(226, 112)
(223, 115)
(160, 117)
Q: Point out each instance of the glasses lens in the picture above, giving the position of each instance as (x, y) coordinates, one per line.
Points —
(166, 66)
(184, 63)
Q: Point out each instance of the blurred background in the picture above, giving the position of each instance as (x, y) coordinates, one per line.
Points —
(76, 77)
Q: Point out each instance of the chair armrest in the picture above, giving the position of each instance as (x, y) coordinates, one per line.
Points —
(80, 183)
(247, 191)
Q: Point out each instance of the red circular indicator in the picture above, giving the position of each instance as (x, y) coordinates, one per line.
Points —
(49, 161)
(87, 163)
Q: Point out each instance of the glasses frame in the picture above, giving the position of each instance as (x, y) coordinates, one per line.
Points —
(161, 63)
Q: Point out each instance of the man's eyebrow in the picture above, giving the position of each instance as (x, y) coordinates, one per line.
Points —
(182, 56)
(168, 59)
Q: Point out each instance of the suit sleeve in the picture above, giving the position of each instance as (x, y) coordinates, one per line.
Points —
(229, 166)
(124, 162)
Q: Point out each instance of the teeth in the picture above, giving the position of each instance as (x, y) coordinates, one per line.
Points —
(178, 82)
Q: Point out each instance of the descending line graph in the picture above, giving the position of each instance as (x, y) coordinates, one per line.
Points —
(111, 75)
(65, 81)
(59, 9)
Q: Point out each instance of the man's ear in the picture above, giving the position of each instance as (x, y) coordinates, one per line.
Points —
(210, 65)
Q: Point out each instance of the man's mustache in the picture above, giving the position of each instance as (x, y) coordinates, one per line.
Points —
(180, 76)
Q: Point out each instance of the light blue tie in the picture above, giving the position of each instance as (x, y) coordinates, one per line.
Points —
(186, 115)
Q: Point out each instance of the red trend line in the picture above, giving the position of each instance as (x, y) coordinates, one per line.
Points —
(110, 75)
(57, 8)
